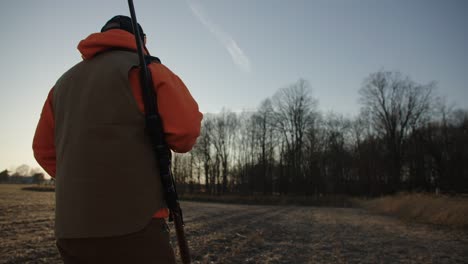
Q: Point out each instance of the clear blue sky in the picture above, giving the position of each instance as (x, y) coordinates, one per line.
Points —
(235, 53)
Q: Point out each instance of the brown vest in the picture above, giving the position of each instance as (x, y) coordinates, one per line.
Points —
(107, 180)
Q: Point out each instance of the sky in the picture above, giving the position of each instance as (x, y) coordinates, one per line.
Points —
(235, 53)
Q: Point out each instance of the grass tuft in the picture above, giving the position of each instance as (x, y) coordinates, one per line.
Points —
(421, 207)
(39, 188)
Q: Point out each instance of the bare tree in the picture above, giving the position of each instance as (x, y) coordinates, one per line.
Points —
(262, 122)
(337, 154)
(295, 110)
(315, 144)
(197, 163)
(204, 150)
(396, 105)
(224, 128)
(23, 170)
(246, 152)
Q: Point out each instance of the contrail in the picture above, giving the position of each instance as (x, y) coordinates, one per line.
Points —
(238, 56)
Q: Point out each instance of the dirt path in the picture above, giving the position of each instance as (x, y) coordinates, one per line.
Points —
(220, 233)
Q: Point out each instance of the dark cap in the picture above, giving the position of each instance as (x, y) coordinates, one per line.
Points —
(122, 22)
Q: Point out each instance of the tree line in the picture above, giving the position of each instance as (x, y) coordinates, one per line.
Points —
(405, 138)
(22, 175)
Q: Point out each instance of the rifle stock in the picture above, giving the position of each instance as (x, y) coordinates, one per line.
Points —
(163, 153)
(180, 232)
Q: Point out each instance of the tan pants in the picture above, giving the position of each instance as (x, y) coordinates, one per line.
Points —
(150, 245)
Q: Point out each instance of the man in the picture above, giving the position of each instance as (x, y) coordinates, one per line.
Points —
(91, 138)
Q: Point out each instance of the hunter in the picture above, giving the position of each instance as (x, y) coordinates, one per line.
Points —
(91, 138)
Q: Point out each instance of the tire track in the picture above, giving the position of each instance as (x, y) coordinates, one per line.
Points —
(213, 239)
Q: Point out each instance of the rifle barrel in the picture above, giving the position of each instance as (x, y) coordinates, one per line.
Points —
(153, 123)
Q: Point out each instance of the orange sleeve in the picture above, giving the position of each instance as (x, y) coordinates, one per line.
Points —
(178, 110)
(43, 142)
(161, 213)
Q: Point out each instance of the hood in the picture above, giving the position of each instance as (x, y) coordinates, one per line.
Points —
(111, 39)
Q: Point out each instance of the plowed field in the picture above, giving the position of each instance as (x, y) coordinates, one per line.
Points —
(221, 233)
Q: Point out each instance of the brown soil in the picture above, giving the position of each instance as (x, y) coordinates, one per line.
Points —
(221, 233)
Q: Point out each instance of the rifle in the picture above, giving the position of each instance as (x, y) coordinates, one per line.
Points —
(154, 128)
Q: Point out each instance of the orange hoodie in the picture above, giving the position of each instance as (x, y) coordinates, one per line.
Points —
(179, 112)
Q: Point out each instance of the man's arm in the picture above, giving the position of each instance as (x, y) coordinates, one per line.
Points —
(178, 110)
(43, 142)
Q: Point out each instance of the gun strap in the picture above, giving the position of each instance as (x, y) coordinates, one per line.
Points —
(150, 97)
(156, 132)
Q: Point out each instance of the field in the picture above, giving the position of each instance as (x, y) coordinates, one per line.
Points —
(229, 233)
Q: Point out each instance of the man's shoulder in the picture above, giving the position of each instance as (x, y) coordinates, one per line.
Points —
(151, 59)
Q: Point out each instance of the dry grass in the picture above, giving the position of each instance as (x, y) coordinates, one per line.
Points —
(424, 208)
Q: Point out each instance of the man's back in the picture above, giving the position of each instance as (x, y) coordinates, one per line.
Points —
(104, 156)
